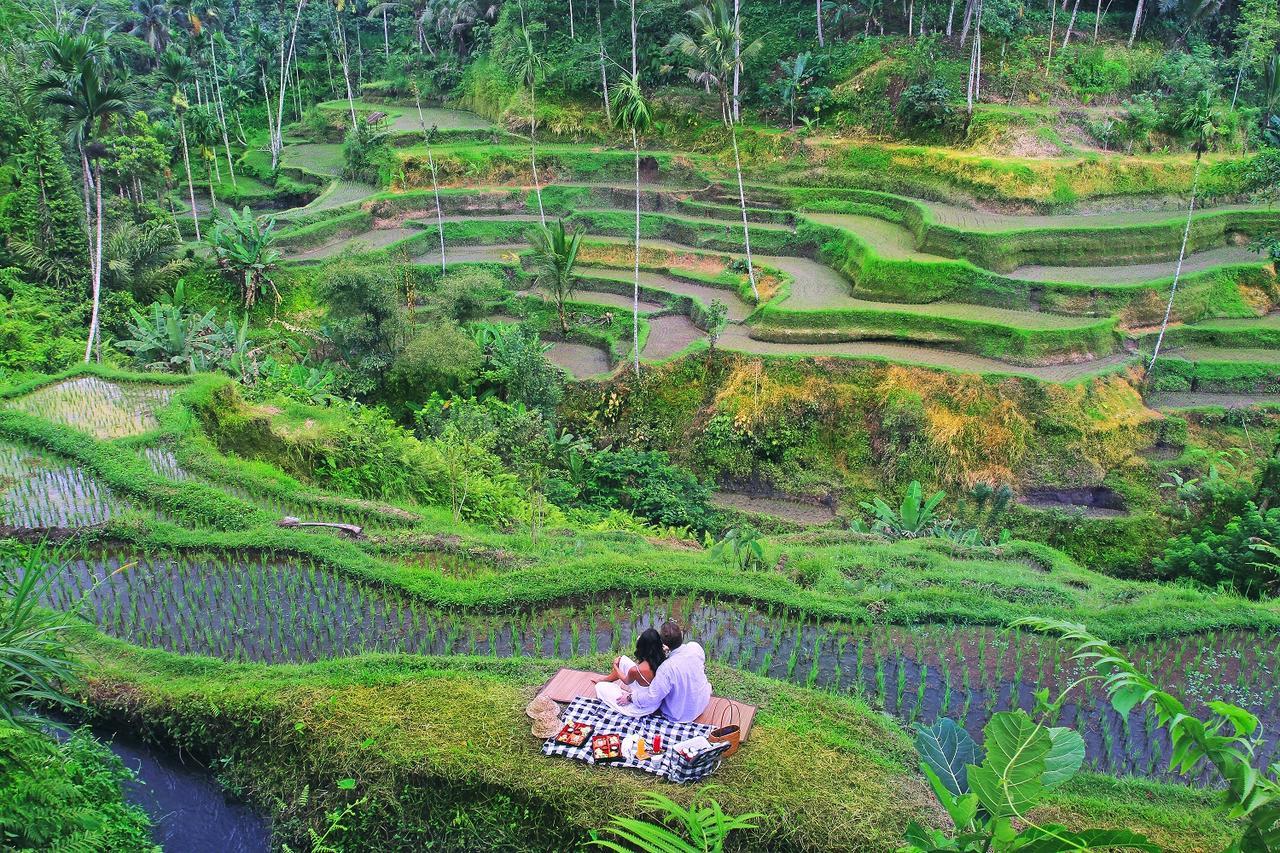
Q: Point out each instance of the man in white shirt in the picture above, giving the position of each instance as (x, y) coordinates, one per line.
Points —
(680, 688)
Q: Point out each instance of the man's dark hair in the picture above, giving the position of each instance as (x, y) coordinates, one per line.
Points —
(671, 634)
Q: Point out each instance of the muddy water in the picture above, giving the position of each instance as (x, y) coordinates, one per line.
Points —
(235, 607)
(580, 360)
(189, 811)
(669, 335)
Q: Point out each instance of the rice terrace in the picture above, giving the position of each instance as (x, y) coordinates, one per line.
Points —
(660, 425)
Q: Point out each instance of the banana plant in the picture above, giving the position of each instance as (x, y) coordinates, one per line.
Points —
(916, 516)
(741, 547)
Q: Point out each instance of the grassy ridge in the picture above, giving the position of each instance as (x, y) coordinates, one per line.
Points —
(430, 738)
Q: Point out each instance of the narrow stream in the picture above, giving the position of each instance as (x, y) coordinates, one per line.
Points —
(189, 812)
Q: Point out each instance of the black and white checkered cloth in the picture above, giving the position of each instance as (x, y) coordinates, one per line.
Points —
(605, 720)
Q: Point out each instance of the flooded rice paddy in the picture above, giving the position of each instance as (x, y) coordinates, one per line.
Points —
(245, 607)
(99, 407)
(38, 491)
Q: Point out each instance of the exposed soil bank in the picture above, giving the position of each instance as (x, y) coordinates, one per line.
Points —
(788, 509)
(1093, 501)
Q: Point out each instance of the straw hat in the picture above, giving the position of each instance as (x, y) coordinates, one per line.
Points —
(541, 707)
(546, 726)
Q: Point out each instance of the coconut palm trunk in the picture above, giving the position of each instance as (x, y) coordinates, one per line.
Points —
(737, 58)
(742, 203)
(95, 257)
(344, 55)
(604, 75)
(286, 61)
(1177, 270)
(435, 186)
(222, 115)
(186, 162)
(635, 149)
(737, 159)
(533, 149)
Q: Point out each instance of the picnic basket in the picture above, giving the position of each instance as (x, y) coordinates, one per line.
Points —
(681, 769)
(728, 729)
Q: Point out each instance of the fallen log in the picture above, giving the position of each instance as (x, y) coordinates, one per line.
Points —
(355, 531)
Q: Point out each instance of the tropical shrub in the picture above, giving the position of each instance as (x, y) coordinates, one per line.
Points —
(36, 664)
(516, 369)
(989, 791)
(644, 483)
(364, 152)
(441, 357)
(916, 516)
(65, 796)
(740, 546)
(243, 245)
(703, 827)
(1228, 740)
(925, 108)
(368, 322)
(171, 339)
(1241, 556)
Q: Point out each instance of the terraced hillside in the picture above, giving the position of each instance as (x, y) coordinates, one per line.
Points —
(457, 617)
(851, 272)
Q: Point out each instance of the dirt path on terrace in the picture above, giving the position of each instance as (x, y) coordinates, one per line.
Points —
(492, 254)
(1165, 401)
(1132, 273)
(735, 338)
(982, 220)
(737, 309)
(366, 242)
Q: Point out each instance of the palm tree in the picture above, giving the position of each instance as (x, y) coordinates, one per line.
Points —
(555, 252)
(718, 49)
(529, 66)
(631, 110)
(81, 81)
(175, 69)
(152, 25)
(1201, 119)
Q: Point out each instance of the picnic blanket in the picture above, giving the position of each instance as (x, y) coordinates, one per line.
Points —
(604, 720)
(569, 683)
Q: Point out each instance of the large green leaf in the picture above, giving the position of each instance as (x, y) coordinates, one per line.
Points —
(963, 809)
(1058, 839)
(948, 750)
(1064, 758)
(1011, 778)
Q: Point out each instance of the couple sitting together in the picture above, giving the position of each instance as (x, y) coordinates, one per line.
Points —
(668, 675)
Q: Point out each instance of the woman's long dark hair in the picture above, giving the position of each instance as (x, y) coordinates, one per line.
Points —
(649, 649)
